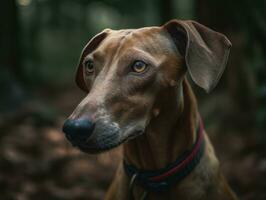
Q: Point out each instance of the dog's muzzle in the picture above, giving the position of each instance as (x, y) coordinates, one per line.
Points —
(92, 136)
(97, 136)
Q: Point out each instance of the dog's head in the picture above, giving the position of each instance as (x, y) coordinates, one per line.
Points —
(124, 72)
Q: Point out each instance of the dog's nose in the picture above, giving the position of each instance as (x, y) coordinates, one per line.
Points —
(78, 130)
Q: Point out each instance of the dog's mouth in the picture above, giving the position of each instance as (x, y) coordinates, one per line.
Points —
(105, 135)
(103, 143)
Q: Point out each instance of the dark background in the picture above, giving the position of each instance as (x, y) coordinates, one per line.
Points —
(40, 43)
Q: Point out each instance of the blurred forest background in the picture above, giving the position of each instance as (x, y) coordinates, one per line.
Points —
(40, 43)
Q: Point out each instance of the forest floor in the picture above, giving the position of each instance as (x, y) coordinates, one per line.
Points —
(37, 162)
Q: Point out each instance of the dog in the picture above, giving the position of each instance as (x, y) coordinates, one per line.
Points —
(138, 95)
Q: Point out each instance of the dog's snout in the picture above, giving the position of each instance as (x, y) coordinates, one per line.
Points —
(78, 130)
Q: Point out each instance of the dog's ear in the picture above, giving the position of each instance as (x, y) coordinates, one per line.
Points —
(205, 51)
(90, 47)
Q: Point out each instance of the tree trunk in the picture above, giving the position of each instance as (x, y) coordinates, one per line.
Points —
(9, 37)
(166, 10)
(10, 61)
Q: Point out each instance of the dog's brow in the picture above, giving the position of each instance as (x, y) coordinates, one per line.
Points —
(98, 55)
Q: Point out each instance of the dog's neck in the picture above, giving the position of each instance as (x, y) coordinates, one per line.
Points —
(169, 134)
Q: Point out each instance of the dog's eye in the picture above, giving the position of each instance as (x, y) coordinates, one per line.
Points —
(139, 66)
(89, 67)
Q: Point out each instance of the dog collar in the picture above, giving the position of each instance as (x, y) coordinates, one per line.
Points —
(157, 180)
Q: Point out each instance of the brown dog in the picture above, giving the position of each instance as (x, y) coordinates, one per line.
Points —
(138, 95)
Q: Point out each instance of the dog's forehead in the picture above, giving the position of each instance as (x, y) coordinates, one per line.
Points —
(131, 33)
(147, 37)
